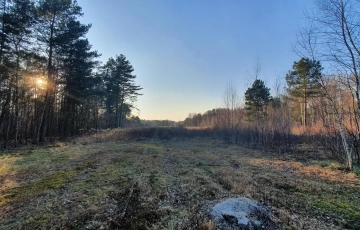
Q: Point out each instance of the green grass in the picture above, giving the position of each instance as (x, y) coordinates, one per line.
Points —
(357, 170)
(344, 202)
(52, 181)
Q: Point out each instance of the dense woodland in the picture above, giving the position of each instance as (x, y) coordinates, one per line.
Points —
(51, 84)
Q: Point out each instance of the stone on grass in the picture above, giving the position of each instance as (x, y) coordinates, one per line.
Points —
(242, 213)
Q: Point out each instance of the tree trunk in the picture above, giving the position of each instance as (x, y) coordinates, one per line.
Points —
(16, 96)
(46, 113)
(3, 36)
(305, 106)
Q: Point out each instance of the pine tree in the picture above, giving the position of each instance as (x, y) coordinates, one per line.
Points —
(22, 18)
(52, 19)
(16, 23)
(6, 66)
(76, 64)
(302, 83)
(121, 90)
(256, 99)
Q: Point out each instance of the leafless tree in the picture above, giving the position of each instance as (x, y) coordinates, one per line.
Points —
(257, 67)
(306, 42)
(333, 37)
(338, 30)
(229, 120)
(339, 120)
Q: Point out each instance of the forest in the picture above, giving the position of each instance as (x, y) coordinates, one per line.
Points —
(52, 86)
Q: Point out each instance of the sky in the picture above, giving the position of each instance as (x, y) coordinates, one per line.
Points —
(186, 52)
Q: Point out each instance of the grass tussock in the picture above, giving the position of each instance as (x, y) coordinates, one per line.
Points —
(167, 184)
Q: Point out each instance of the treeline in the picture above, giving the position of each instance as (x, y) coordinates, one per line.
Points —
(321, 105)
(159, 123)
(51, 84)
(316, 108)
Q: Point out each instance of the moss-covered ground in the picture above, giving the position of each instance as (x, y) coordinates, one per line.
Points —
(155, 184)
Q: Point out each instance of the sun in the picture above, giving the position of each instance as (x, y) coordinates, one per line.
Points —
(40, 81)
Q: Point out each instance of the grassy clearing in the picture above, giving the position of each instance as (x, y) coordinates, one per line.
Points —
(153, 184)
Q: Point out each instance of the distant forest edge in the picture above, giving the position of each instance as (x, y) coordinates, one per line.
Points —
(51, 84)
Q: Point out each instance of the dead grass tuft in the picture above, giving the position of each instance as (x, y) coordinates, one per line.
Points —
(330, 173)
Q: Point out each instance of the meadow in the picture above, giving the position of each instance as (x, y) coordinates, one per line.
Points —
(98, 182)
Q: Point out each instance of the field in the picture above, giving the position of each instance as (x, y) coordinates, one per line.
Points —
(169, 184)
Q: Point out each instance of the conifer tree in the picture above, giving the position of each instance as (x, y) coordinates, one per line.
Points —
(121, 90)
(53, 16)
(256, 99)
(303, 82)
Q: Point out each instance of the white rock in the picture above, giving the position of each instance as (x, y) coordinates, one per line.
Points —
(239, 211)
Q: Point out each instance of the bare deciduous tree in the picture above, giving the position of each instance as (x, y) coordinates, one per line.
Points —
(339, 121)
(230, 118)
(338, 30)
(333, 37)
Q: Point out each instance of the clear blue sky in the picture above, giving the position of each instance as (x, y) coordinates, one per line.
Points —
(185, 52)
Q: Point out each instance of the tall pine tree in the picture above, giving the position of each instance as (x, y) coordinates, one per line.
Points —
(302, 83)
(77, 63)
(121, 90)
(53, 16)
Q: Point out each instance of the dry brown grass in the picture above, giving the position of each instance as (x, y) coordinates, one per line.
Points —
(314, 129)
(330, 173)
(157, 184)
